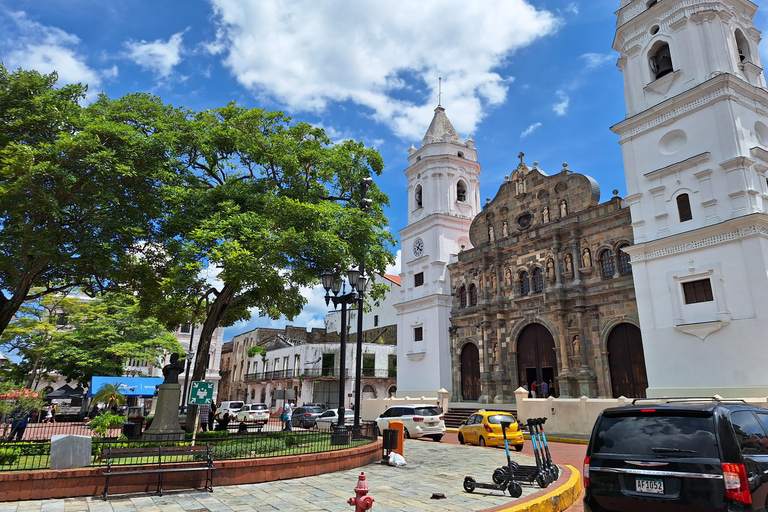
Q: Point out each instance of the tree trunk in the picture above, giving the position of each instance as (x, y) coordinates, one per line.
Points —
(214, 315)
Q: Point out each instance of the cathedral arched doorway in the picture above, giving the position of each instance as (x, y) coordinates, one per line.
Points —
(536, 356)
(627, 362)
(470, 372)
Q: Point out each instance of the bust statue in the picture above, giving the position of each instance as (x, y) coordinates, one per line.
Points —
(172, 370)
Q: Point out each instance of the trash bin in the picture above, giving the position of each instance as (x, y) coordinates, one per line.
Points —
(131, 429)
(389, 441)
(399, 427)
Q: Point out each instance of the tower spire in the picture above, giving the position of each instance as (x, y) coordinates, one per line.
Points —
(439, 90)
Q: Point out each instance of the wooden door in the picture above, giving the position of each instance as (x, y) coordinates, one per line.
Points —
(536, 357)
(627, 362)
(470, 372)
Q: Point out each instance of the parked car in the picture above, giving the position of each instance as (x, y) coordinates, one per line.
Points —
(420, 420)
(305, 416)
(484, 428)
(678, 454)
(330, 418)
(230, 407)
(321, 405)
(258, 413)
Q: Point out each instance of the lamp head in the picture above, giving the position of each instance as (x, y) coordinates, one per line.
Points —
(327, 279)
(353, 275)
(361, 282)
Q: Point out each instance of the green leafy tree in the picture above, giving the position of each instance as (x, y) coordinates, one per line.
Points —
(105, 335)
(259, 218)
(80, 187)
(17, 401)
(109, 395)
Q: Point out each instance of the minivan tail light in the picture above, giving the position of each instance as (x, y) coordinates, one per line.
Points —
(418, 418)
(736, 483)
(441, 418)
(585, 472)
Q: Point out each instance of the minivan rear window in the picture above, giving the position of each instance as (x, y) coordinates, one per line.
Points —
(426, 411)
(657, 435)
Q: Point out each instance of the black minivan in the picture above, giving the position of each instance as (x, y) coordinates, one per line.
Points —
(668, 455)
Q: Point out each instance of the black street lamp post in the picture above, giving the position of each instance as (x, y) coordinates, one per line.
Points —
(190, 357)
(359, 359)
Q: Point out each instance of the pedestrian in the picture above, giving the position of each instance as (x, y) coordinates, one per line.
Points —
(544, 389)
(204, 410)
(211, 415)
(48, 415)
(287, 413)
(552, 388)
(534, 388)
(222, 421)
(19, 423)
(525, 386)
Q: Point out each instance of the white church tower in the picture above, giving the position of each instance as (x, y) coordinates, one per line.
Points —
(443, 198)
(695, 147)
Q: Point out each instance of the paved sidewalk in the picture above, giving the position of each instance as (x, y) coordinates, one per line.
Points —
(431, 468)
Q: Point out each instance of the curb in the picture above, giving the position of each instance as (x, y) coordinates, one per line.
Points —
(553, 501)
(570, 440)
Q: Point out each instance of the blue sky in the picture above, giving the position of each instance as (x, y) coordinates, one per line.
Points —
(537, 76)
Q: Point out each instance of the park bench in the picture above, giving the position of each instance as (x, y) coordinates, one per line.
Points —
(163, 459)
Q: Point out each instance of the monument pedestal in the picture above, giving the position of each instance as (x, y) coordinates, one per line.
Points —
(165, 425)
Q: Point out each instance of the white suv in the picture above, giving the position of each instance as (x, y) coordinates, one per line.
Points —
(420, 420)
(258, 413)
(231, 407)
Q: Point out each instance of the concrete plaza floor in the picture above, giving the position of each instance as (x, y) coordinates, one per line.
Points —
(431, 468)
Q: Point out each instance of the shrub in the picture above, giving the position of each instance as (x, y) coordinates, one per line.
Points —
(103, 422)
(9, 455)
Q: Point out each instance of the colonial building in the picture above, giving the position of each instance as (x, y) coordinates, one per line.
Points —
(695, 146)
(443, 198)
(545, 293)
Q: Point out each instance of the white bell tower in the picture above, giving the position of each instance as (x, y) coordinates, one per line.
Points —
(695, 147)
(443, 198)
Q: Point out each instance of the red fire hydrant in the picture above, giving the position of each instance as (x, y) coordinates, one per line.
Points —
(361, 502)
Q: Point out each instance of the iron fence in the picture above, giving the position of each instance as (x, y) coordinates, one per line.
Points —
(234, 443)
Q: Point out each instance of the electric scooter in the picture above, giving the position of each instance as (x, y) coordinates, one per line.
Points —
(551, 467)
(503, 478)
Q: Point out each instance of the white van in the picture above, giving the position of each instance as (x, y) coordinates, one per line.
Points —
(231, 407)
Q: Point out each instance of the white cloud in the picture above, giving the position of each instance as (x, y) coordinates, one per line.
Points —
(572, 8)
(595, 60)
(31, 45)
(530, 130)
(561, 107)
(385, 57)
(158, 56)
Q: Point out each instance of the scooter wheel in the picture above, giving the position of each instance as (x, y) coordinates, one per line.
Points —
(542, 480)
(500, 475)
(469, 484)
(515, 490)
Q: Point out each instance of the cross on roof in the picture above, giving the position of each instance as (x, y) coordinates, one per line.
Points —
(520, 156)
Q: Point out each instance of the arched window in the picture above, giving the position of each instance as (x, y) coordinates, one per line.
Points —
(462, 297)
(253, 395)
(461, 192)
(472, 295)
(660, 60)
(607, 265)
(684, 207)
(391, 392)
(742, 46)
(417, 197)
(651, 3)
(625, 267)
(524, 283)
(538, 280)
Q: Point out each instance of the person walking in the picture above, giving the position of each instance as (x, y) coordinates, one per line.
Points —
(204, 411)
(544, 389)
(534, 389)
(19, 423)
(287, 413)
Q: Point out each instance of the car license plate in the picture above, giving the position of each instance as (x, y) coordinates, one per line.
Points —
(650, 485)
(431, 424)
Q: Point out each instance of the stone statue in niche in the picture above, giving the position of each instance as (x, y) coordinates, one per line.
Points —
(563, 208)
(586, 258)
(568, 263)
(480, 285)
(520, 186)
(493, 279)
(504, 229)
(545, 214)
(550, 268)
(491, 236)
(508, 277)
(576, 347)
(172, 370)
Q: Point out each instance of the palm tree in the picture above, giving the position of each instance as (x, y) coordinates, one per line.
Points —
(110, 395)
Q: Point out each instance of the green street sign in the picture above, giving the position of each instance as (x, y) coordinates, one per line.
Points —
(201, 394)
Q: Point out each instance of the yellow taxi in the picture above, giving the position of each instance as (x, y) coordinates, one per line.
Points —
(484, 428)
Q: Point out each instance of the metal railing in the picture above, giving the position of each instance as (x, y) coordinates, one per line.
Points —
(236, 443)
(379, 373)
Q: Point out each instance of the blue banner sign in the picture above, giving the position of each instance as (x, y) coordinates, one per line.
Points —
(128, 386)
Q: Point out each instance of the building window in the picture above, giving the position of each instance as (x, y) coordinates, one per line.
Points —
(698, 291)
(742, 46)
(607, 265)
(461, 192)
(418, 334)
(375, 320)
(462, 297)
(524, 283)
(266, 368)
(660, 60)
(185, 328)
(62, 319)
(538, 280)
(684, 207)
(296, 365)
(418, 279)
(472, 295)
(625, 267)
(417, 197)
